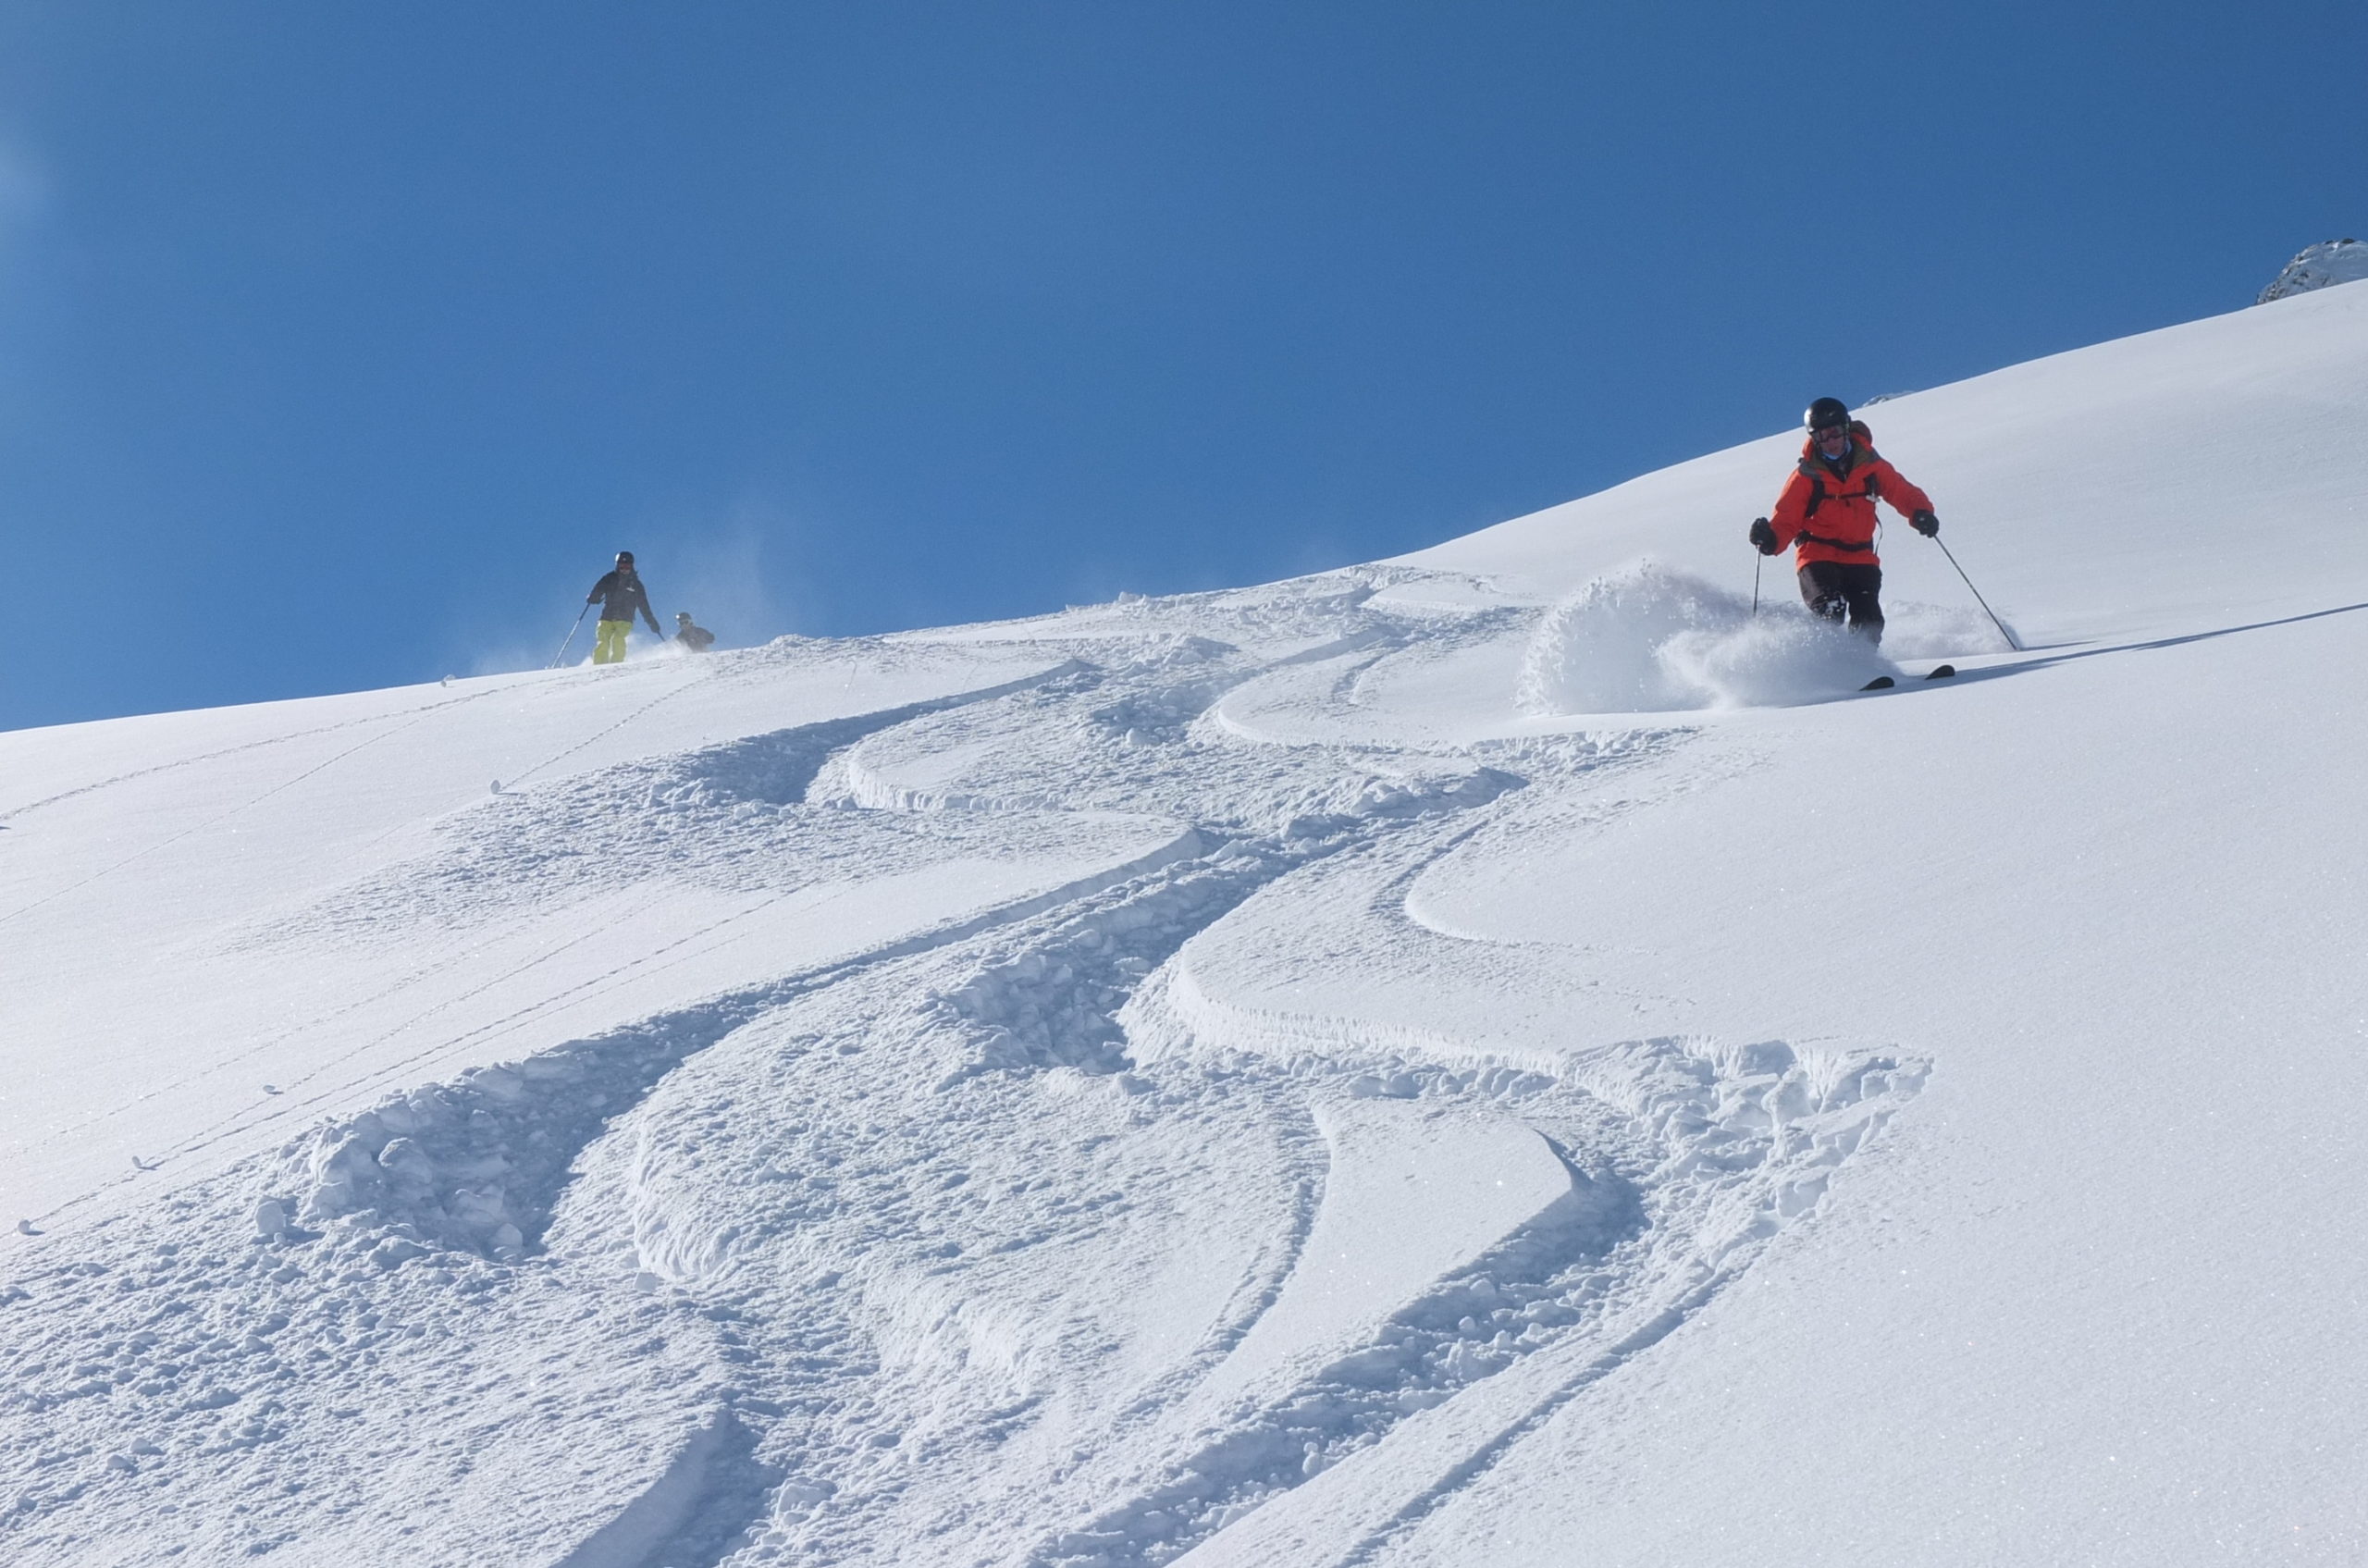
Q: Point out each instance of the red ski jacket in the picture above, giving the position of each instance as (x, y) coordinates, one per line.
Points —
(1832, 515)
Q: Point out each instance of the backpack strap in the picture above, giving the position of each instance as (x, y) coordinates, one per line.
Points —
(1805, 536)
(1869, 488)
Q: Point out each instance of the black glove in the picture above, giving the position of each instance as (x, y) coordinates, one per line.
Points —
(1926, 524)
(1763, 537)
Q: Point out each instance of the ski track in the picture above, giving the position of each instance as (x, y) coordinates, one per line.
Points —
(218, 753)
(840, 1342)
(406, 722)
(774, 768)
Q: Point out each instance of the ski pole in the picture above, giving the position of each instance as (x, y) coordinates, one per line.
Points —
(1760, 531)
(1977, 596)
(571, 635)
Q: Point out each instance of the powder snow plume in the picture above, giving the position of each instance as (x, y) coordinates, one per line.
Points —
(1648, 638)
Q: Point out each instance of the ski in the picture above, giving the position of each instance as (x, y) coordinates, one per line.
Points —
(1884, 682)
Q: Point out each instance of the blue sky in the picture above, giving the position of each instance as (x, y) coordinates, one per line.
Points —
(342, 343)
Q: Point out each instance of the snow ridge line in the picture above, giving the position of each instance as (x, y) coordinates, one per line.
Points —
(1306, 1203)
(1056, 1002)
(237, 1120)
(1658, 1324)
(169, 1353)
(1172, 683)
(288, 1104)
(828, 733)
(1707, 1105)
(756, 771)
(1423, 1355)
(1175, 1014)
(1101, 933)
(1066, 999)
(1351, 642)
(477, 1165)
(779, 766)
(690, 1513)
(1748, 1138)
(1376, 643)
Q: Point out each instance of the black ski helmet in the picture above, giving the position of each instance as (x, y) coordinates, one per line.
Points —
(1827, 413)
(625, 558)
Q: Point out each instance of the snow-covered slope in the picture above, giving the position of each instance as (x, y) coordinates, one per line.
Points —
(1499, 1055)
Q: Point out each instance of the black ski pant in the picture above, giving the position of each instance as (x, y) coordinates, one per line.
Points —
(1839, 591)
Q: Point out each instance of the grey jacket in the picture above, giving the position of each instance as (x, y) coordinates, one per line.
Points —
(620, 594)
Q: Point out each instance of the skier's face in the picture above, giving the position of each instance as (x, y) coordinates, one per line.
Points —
(1833, 439)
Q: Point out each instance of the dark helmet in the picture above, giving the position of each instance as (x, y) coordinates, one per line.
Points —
(682, 615)
(1826, 414)
(625, 558)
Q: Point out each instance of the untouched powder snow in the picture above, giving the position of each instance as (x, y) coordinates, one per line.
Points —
(1503, 1056)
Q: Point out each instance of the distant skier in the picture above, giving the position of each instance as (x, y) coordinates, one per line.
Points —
(618, 595)
(692, 635)
(1828, 510)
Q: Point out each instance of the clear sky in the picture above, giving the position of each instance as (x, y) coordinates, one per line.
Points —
(342, 343)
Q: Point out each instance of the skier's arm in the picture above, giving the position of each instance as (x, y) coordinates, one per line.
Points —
(1792, 510)
(1904, 498)
(656, 630)
(598, 588)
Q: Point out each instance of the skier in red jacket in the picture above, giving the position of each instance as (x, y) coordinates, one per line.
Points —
(1828, 513)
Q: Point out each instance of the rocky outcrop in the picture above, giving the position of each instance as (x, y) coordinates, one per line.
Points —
(2319, 266)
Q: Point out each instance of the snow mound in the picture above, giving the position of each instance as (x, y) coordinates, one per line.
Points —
(2319, 266)
(1649, 639)
(471, 1167)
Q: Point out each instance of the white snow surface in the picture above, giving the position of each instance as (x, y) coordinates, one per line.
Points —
(1501, 1056)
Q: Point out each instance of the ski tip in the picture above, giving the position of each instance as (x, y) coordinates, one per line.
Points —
(1881, 683)
(1940, 671)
